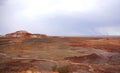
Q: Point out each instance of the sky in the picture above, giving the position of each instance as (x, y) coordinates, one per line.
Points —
(61, 17)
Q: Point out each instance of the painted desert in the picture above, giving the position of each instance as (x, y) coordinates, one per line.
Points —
(24, 52)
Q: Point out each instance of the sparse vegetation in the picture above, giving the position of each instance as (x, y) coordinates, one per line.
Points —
(54, 68)
(61, 69)
(33, 69)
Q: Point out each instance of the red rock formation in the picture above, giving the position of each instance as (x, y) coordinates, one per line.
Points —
(76, 44)
(92, 58)
(24, 34)
(39, 35)
(18, 34)
(29, 71)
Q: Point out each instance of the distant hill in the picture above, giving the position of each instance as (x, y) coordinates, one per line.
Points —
(24, 34)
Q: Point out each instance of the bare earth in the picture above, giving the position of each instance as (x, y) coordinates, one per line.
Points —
(42, 54)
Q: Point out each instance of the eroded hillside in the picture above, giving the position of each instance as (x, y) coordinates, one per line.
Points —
(22, 51)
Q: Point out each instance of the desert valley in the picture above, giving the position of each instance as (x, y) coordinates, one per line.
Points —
(24, 52)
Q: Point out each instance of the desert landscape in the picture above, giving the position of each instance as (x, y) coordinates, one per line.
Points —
(24, 52)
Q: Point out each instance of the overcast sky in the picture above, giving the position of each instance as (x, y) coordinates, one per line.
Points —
(61, 17)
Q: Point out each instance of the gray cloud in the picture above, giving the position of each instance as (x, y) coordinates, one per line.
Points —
(17, 15)
(2, 2)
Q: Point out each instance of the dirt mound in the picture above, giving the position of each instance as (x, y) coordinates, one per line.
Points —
(24, 34)
(91, 58)
(14, 66)
(95, 68)
(111, 44)
(20, 33)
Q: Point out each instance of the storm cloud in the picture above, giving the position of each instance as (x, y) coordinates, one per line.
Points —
(61, 17)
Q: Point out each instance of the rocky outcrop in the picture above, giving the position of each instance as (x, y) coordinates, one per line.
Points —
(91, 58)
(24, 34)
(94, 68)
(21, 33)
(24, 66)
